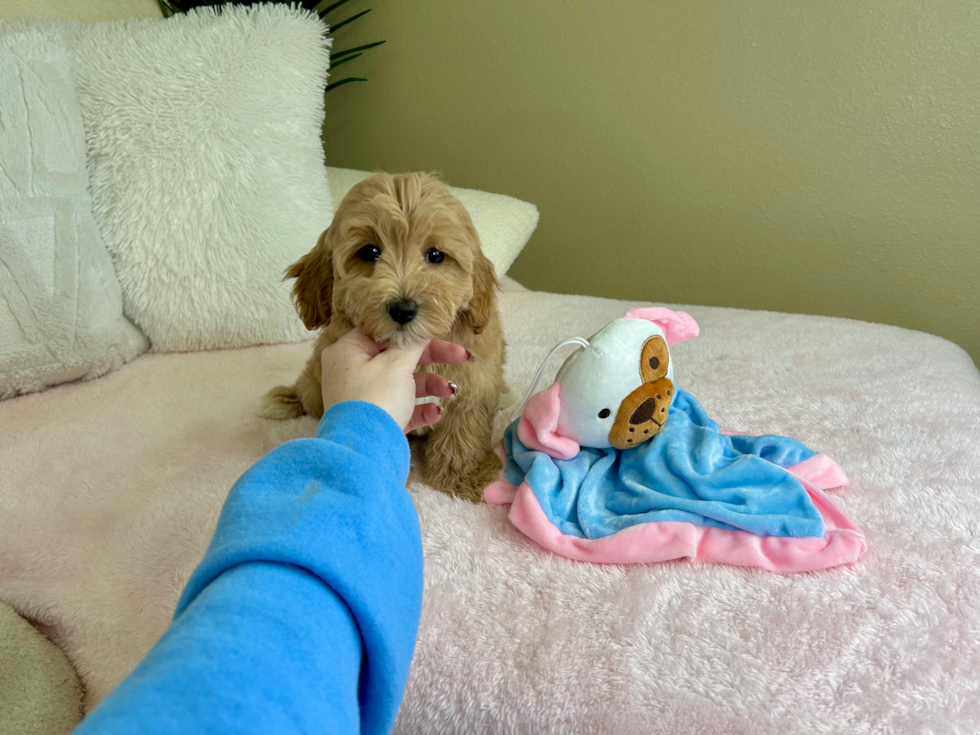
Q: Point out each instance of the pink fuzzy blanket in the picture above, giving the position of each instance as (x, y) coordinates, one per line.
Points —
(109, 491)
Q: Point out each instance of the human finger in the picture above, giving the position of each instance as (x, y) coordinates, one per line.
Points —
(357, 339)
(405, 356)
(432, 384)
(425, 414)
(442, 352)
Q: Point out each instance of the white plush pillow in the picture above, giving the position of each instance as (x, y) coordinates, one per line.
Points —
(60, 303)
(503, 223)
(206, 166)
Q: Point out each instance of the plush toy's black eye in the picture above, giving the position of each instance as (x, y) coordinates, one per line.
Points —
(604, 413)
(369, 253)
(434, 256)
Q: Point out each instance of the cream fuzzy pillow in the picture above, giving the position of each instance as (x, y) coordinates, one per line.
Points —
(206, 166)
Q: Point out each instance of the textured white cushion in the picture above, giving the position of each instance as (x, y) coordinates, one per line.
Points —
(504, 224)
(60, 303)
(206, 166)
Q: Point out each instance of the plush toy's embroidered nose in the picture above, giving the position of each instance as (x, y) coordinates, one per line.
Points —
(643, 412)
(403, 311)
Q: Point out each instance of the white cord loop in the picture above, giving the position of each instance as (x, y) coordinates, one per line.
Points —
(537, 376)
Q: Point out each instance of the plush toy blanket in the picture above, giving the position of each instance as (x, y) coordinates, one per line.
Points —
(692, 492)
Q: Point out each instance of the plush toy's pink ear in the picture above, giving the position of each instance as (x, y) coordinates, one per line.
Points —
(538, 428)
(678, 326)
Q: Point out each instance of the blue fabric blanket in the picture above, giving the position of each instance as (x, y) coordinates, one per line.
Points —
(689, 472)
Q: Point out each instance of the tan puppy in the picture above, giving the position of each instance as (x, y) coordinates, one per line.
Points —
(402, 260)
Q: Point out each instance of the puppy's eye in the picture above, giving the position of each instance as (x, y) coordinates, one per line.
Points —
(604, 413)
(369, 253)
(434, 256)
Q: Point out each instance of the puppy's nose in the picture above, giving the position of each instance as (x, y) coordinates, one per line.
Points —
(403, 311)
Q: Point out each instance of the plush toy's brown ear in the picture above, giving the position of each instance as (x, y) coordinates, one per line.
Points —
(654, 359)
(313, 290)
(478, 312)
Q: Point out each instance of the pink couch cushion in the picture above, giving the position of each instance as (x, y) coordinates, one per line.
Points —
(109, 491)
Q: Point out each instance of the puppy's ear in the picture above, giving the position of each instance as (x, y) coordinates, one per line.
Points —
(478, 312)
(313, 290)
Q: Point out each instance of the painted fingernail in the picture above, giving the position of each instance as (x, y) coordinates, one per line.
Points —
(453, 387)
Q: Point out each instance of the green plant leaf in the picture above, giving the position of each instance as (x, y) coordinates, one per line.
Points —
(172, 7)
(332, 7)
(344, 81)
(349, 20)
(344, 60)
(349, 51)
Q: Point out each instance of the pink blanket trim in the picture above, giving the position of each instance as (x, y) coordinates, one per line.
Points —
(646, 543)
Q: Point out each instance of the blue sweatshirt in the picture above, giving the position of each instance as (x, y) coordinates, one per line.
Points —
(302, 616)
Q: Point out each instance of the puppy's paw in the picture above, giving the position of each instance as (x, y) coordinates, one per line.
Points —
(282, 402)
(507, 399)
(466, 483)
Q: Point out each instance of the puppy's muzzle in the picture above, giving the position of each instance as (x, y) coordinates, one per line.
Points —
(403, 312)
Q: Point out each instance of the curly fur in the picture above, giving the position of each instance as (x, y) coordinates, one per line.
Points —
(405, 215)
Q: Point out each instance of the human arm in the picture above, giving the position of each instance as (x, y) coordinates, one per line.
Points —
(302, 615)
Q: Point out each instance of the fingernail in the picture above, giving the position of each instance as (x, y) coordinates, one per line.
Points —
(439, 410)
(469, 356)
(453, 387)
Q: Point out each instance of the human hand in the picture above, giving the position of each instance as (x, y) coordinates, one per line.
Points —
(355, 368)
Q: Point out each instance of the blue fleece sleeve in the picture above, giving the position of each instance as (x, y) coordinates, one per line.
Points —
(303, 614)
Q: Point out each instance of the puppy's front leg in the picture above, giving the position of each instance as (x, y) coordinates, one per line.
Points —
(458, 457)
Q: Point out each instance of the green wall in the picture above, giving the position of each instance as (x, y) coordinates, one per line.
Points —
(817, 157)
(84, 10)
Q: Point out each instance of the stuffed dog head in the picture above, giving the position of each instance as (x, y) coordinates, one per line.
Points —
(616, 392)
